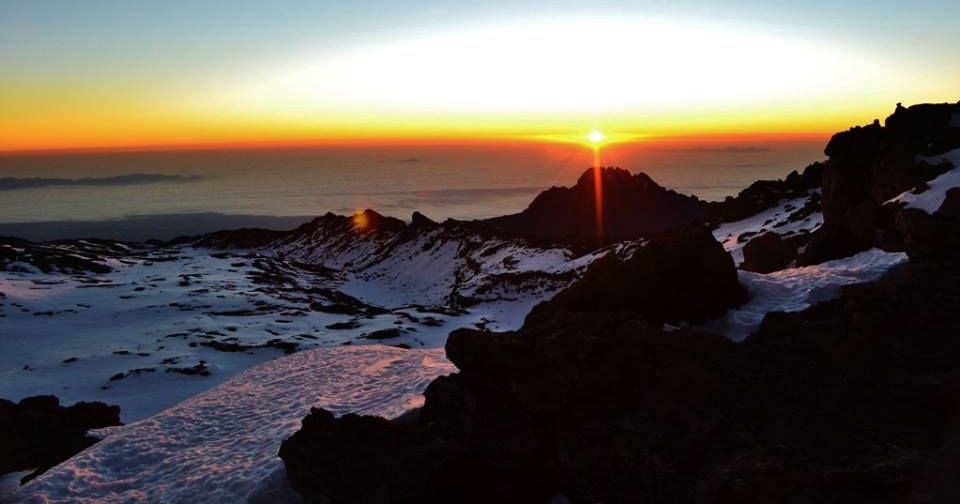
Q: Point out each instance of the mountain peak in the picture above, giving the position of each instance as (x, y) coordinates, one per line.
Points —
(631, 206)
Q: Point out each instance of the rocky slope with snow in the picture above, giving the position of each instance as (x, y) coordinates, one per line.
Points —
(247, 329)
(146, 326)
(870, 165)
(841, 392)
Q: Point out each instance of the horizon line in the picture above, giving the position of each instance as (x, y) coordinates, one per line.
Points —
(403, 141)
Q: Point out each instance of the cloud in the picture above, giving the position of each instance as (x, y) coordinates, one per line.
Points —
(12, 183)
(409, 160)
(736, 149)
(390, 200)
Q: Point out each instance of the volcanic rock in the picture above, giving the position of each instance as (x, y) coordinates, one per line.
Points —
(771, 252)
(849, 401)
(632, 206)
(37, 433)
(684, 275)
(869, 165)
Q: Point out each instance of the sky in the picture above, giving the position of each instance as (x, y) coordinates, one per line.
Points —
(120, 74)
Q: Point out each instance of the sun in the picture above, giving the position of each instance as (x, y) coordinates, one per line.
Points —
(595, 137)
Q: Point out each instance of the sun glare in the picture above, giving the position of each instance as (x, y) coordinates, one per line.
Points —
(651, 66)
(595, 137)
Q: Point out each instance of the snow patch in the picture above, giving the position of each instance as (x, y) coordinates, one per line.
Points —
(221, 446)
(797, 289)
(932, 199)
(735, 235)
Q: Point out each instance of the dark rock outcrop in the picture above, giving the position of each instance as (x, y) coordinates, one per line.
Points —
(771, 252)
(632, 206)
(869, 165)
(678, 276)
(575, 361)
(37, 433)
(931, 237)
(853, 400)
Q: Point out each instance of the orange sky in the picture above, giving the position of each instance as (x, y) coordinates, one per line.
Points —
(75, 86)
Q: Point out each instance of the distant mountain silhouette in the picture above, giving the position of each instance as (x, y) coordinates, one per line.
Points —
(12, 183)
(633, 206)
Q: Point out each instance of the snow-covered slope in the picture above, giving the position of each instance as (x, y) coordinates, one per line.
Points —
(447, 264)
(146, 327)
(931, 199)
(221, 446)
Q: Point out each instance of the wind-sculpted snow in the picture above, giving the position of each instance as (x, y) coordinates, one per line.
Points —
(221, 446)
(795, 289)
(932, 197)
(782, 219)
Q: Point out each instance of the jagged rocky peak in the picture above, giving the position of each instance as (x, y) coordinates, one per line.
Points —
(632, 206)
(420, 221)
(369, 221)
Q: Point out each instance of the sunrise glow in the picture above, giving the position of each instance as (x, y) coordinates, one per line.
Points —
(646, 76)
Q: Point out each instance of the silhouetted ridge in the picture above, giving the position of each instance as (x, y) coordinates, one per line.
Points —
(764, 194)
(633, 206)
(869, 165)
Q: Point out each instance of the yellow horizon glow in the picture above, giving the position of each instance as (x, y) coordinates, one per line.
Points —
(536, 80)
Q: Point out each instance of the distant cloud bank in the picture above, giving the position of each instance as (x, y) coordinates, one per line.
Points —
(12, 183)
(742, 149)
(144, 227)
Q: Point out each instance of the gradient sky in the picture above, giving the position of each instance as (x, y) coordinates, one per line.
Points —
(97, 73)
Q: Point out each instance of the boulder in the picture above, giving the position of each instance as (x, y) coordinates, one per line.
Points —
(771, 252)
(37, 433)
(950, 208)
(679, 276)
(930, 237)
